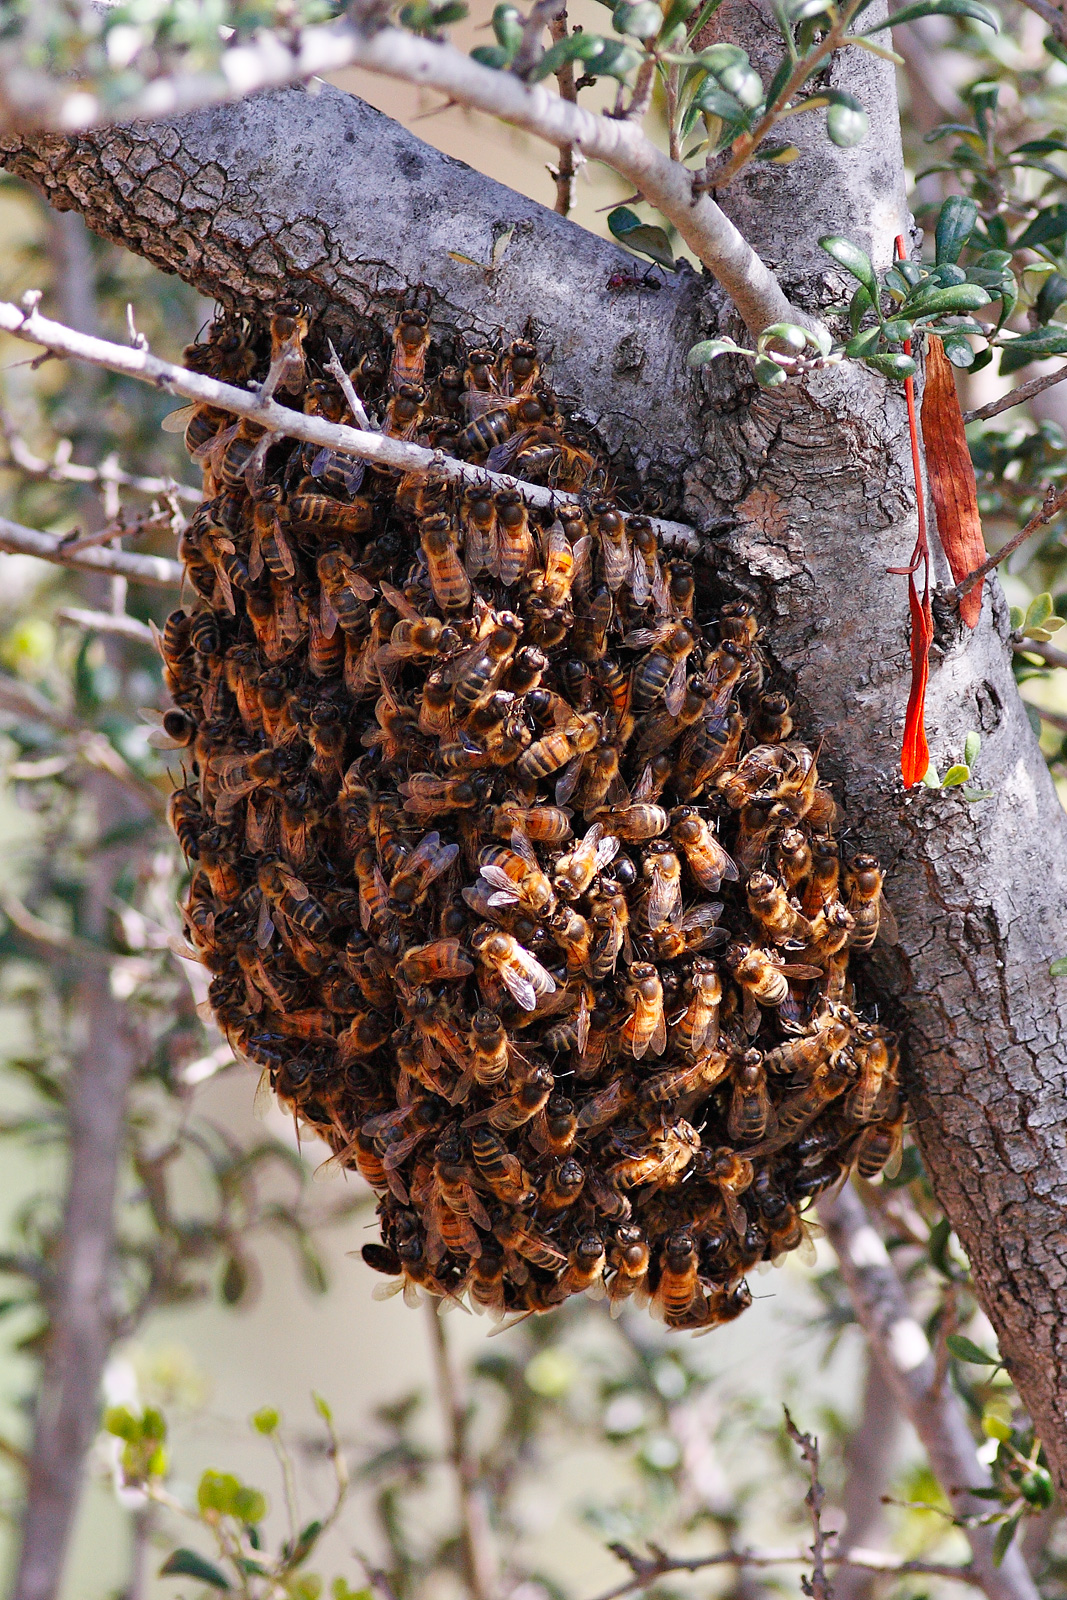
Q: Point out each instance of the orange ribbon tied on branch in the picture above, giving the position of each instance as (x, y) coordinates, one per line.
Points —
(951, 477)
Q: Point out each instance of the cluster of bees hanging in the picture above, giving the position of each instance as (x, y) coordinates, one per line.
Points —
(510, 873)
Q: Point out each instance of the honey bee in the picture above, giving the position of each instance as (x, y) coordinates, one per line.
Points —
(773, 721)
(731, 1174)
(479, 530)
(288, 897)
(636, 822)
(678, 1285)
(555, 1129)
(646, 1027)
(561, 1187)
(576, 869)
(708, 748)
(343, 590)
(563, 560)
(664, 872)
(764, 981)
(426, 795)
(334, 516)
(877, 1075)
(405, 412)
(658, 1157)
(681, 1088)
(660, 730)
(499, 428)
(516, 1233)
(826, 1084)
(502, 1173)
(288, 330)
(616, 555)
(870, 913)
(441, 961)
(825, 875)
(186, 818)
(751, 1113)
(515, 549)
(647, 580)
(418, 871)
(697, 1029)
(479, 673)
(708, 861)
(777, 919)
(585, 1268)
(557, 749)
(879, 1147)
(829, 932)
(448, 580)
(411, 341)
(662, 672)
(628, 1258)
(800, 1057)
(543, 824)
(609, 919)
(522, 975)
(573, 934)
(516, 876)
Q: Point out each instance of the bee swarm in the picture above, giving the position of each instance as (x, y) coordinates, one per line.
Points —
(509, 871)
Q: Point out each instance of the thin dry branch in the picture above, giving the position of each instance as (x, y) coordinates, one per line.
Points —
(154, 570)
(61, 469)
(817, 1587)
(898, 1344)
(648, 1569)
(1016, 397)
(475, 1537)
(95, 749)
(1036, 647)
(1051, 507)
(27, 324)
(107, 622)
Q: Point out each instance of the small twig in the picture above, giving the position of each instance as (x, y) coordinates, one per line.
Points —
(1051, 507)
(355, 404)
(61, 469)
(26, 323)
(565, 173)
(107, 622)
(529, 52)
(93, 748)
(647, 1569)
(52, 940)
(475, 1537)
(1036, 647)
(641, 98)
(154, 570)
(170, 522)
(1016, 397)
(818, 1586)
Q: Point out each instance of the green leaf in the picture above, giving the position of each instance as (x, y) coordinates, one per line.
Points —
(187, 1564)
(853, 259)
(266, 1420)
(627, 226)
(846, 121)
(972, 796)
(1036, 1488)
(944, 302)
(743, 83)
(1046, 226)
(965, 1349)
(712, 99)
(1005, 1535)
(1058, 968)
(786, 333)
(704, 353)
(642, 20)
(677, 12)
(1036, 346)
(893, 366)
(930, 777)
(617, 60)
(938, 8)
(121, 1422)
(1038, 611)
(959, 352)
(897, 330)
(955, 224)
(1053, 294)
(322, 1407)
(508, 24)
(1015, 618)
(863, 344)
(971, 746)
(858, 307)
(490, 55)
(956, 775)
(768, 374)
(216, 1491)
(780, 154)
(575, 47)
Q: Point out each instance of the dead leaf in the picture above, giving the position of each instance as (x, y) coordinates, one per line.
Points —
(951, 477)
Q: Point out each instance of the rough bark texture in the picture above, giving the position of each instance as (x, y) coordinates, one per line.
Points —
(806, 494)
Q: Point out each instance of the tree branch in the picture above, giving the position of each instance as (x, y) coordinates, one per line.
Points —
(1051, 507)
(61, 469)
(899, 1346)
(1019, 396)
(154, 570)
(648, 1569)
(378, 447)
(475, 1537)
(621, 145)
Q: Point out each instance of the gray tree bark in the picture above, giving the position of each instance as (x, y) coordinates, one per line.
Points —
(806, 497)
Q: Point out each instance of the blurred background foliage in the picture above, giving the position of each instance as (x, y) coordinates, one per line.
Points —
(237, 1291)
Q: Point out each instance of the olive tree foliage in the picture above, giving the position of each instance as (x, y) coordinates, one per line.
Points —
(761, 401)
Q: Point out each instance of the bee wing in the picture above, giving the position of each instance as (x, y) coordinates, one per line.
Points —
(658, 1041)
(567, 781)
(264, 924)
(520, 988)
(361, 587)
(645, 638)
(799, 970)
(158, 740)
(735, 1211)
(399, 603)
(478, 1214)
(660, 593)
(386, 1291)
(264, 1096)
(674, 694)
(583, 1022)
(466, 658)
(255, 554)
(888, 931)
(384, 1121)
(296, 886)
(177, 421)
(327, 615)
(618, 561)
(522, 847)
(644, 786)
(702, 916)
(663, 900)
(502, 455)
(606, 850)
(582, 551)
(639, 584)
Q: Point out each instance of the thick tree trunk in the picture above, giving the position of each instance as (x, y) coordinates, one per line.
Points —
(806, 496)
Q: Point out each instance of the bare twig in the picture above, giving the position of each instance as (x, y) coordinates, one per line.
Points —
(647, 1569)
(529, 53)
(1051, 507)
(817, 1587)
(1019, 396)
(1037, 647)
(171, 522)
(475, 1537)
(355, 404)
(61, 469)
(27, 324)
(154, 570)
(93, 748)
(106, 622)
(898, 1344)
(564, 174)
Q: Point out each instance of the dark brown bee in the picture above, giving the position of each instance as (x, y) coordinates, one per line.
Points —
(521, 1038)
